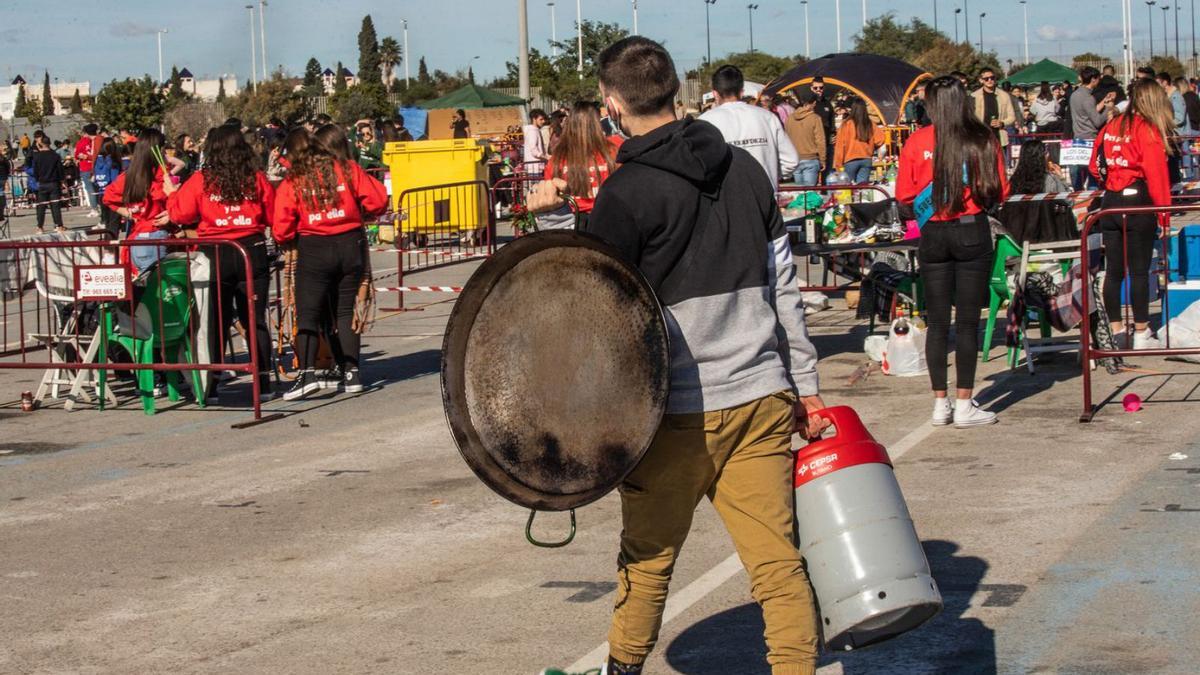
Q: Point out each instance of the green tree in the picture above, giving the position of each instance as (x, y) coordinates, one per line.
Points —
(559, 77)
(20, 109)
(885, 36)
(175, 91)
(276, 97)
(76, 103)
(368, 52)
(1087, 59)
(423, 72)
(1168, 64)
(361, 102)
(390, 56)
(470, 75)
(945, 56)
(221, 90)
(755, 66)
(33, 112)
(47, 99)
(129, 104)
(312, 79)
(339, 82)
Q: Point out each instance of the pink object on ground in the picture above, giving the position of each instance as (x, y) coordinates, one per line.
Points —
(1132, 402)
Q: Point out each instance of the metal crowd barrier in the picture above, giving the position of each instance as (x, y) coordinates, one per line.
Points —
(1090, 352)
(63, 304)
(438, 226)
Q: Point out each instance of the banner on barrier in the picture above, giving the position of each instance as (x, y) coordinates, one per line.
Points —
(1076, 152)
(102, 283)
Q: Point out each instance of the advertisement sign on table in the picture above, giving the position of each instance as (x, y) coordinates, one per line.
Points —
(102, 283)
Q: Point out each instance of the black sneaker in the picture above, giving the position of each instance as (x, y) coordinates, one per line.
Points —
(330, 378)
(352, 382)
(305, 384)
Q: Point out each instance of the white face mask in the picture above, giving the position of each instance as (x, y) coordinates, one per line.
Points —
(614, 115)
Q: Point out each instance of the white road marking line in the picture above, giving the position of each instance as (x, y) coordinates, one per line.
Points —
(680, 601)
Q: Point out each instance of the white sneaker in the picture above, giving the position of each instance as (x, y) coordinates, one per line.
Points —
(1145, 339)
(968, 414)
(943, 412)
(93, 214)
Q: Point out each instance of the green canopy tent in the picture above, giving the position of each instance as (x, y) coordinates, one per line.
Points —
(472, 97)
(1043, 71)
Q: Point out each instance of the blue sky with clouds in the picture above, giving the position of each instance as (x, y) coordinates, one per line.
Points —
(98, 41)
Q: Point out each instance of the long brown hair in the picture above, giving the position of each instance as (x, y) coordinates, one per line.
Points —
(965, 151)
(1149, 100)
(311, 173)
(230, 166)
(581, 146)
(143, 167)
(864, 131)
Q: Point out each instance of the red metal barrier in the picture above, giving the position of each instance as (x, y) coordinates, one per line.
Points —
(66, 299)
(1088, 351)
(437, 226)
(856, 197)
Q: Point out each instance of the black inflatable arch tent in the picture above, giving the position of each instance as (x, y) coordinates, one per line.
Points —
(883, 82)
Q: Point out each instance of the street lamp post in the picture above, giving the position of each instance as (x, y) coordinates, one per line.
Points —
(407, 56)
(1150, 20)
(957, 11)
(635, 27)
(579, 35)
(1025, 9)
(864, 13)
(553, 32)
(966, 23)
(750, 10)
(708, 30)
(523, 49)
(807, 44)
(935, 25)
(159, 34)
(1165, 8)
(837, 9)
(981, 15)
(1177, 31)
(262, 37)
(253, 54)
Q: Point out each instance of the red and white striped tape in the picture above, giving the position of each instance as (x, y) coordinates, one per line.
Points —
(419, 289)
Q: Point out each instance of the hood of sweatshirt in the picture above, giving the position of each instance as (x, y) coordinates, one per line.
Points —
(803, 113)
(692, 149)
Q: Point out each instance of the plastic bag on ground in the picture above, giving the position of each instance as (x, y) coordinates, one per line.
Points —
(874, 347)
(1185, 331)
(904, 354)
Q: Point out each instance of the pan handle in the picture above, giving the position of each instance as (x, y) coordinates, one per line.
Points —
(548, 544)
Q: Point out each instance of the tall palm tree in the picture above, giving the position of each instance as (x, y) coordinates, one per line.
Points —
(389, 58)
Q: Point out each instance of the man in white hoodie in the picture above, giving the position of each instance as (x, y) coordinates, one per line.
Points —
(750, 128)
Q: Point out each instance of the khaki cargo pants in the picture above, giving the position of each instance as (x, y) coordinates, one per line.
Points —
(741, 459)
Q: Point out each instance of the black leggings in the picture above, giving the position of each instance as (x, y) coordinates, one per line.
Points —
(228, 280)
(49, 196)
(329, 270)
(1137, 245)
(956, 264)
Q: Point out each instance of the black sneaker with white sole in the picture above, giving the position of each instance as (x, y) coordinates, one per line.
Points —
(330, 378)
(352, 381)
(306, 383)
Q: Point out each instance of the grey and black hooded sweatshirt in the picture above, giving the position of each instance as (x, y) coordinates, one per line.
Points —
(698, 217)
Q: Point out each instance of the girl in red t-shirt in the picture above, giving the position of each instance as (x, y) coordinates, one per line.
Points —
(230, 198)
(319, 210)
(962, 161)
(137, 195)
(1134, 147)
(583, 156)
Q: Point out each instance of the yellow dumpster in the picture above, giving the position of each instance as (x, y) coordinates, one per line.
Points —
(418, 166)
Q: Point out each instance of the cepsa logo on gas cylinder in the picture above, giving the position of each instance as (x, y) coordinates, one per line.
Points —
(819, 466)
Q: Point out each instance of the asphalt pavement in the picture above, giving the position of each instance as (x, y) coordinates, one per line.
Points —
(349, 536)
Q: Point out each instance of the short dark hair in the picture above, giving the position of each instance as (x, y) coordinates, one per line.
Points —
(90, 129)
(641, 73)
(817, 80)
(1087, 74)
(1108, 67)
(1146, 70)
(536, 113)
(806, 97)
(727, 81)
(986, 69)
(1164, 75)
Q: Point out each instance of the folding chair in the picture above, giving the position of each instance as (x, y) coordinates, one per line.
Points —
(1065, 253)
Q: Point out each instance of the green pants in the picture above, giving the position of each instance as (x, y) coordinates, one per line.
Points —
(740, 458)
